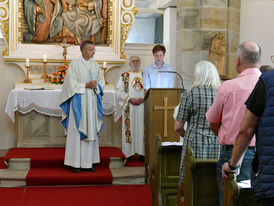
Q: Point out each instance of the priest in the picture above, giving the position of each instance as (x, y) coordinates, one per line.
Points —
(130, 106)
(80, 101)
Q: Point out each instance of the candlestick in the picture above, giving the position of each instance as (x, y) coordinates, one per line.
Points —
(27, 80)
(44, 75)
(27, 62)
(105, 65)
(104, 68)
(45, 57)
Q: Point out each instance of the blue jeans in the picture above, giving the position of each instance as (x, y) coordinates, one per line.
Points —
(244, 171)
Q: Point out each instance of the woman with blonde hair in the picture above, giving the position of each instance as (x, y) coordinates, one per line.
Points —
(194, 104)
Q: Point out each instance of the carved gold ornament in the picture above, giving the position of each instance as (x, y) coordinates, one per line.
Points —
(4, 22)
(128, 13)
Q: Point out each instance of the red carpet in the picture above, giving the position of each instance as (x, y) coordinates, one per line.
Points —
(47, 167)
(2, 163)
(54, 157)
(64, 176)
(122, 195)
(135, 161)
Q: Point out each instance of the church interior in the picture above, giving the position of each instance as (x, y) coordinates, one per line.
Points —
(32, 137)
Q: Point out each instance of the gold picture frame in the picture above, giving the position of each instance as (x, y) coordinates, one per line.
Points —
(121, 14)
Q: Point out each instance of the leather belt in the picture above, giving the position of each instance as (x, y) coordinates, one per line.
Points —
(230, 147)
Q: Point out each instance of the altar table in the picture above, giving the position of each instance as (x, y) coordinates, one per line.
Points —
(37, 115)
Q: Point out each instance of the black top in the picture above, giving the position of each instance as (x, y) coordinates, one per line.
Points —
(256, 101)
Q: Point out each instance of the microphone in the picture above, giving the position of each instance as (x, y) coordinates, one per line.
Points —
(173, 72)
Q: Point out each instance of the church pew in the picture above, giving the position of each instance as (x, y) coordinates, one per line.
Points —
(164, 173)
(200, 185)
(233, 195)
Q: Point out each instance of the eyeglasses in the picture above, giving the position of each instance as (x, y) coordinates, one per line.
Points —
(89, 49)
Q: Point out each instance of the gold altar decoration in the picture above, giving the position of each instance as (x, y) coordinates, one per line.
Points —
(4, 20)
(65, 52)
(128, 13)
(28, 80)
(104, 68)
(44, 75)
(121, 15)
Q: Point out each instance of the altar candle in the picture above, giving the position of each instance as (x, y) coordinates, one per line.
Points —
(45, 58)
(27, 62)
(105, 65)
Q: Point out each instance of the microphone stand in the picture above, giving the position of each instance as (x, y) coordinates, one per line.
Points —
(174, 72)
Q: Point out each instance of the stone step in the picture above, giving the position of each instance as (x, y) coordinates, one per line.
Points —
(19, 163)
(24, 163)
(11, 177)
(128, 175)
(15, 174)
(116, 162)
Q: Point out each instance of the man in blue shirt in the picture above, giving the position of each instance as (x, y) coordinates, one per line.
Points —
(156, 75)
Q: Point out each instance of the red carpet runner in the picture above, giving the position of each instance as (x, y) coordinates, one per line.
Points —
(135, 161)
(122, 195)
(47, 167)
(2, 163)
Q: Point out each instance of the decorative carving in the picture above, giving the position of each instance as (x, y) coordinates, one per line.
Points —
(230, 189)
(4, 20)
(120, 17)
(217, 52)
(110, 20)
(128, 13)
(189, 164)
(65, 52)
(165, 108)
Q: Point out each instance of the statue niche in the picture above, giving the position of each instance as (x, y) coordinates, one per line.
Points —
(217, 52)
(69, 21)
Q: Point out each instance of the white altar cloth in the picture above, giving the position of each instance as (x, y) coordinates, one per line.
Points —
(46, 102)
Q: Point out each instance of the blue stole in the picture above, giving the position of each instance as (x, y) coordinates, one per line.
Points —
(76, 102)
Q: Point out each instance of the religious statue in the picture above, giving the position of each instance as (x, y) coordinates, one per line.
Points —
(217, 52)
(65, 52)
(82, 18)
(65, 20)
(43, 19)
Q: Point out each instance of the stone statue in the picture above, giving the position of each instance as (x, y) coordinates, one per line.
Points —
(217, 52)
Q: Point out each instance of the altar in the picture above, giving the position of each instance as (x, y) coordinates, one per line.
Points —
(37, 117)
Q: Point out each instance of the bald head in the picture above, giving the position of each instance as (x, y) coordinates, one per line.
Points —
(249, 53)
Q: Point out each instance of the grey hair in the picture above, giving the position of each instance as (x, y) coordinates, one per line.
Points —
(206, 74)
(134, 56)
(249, 53)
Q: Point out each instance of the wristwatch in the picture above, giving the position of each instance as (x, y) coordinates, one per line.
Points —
(232, 167)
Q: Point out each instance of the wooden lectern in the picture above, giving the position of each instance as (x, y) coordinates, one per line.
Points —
(159, 108)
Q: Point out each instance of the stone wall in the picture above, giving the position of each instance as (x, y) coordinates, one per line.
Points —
(197, 22)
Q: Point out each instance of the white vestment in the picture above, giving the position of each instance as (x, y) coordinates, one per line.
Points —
(82, 153)
(132, 121)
